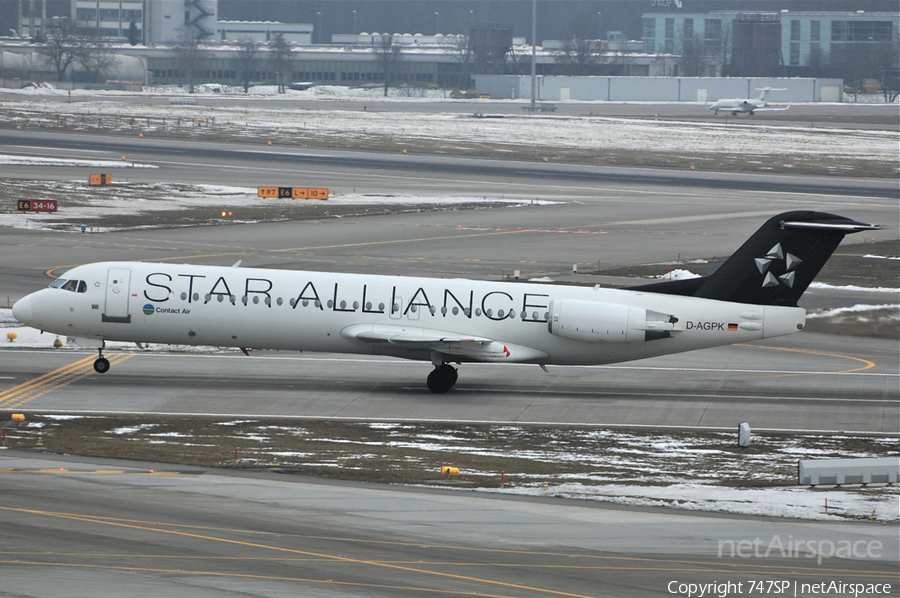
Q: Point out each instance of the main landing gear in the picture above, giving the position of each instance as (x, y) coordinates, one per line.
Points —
(101, 364)
(442, 378)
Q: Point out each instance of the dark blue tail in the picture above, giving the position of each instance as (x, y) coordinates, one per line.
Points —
(775, 265)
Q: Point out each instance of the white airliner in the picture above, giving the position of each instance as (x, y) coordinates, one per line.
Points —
(738, 105)
(753, 295)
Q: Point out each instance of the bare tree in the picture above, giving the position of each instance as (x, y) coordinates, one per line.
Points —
(817, 57)
(464, 56)
(885, 58)
(246, 61)
(281, 59)
(860, 61)
(389, 55)
(63, 46)
(692, 57)
(189, 56)
(581, 53)
(95, 57)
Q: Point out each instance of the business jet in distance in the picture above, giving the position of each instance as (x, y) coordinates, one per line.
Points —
(752, 296)
(737, 106)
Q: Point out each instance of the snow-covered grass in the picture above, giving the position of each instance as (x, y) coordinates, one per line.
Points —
(80, 203)
(692, 470)
(584, 133)
(7, 160)
(801, 503)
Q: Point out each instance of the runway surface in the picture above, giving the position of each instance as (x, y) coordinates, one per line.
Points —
(159, 530)
(803, 383)
(239, 163)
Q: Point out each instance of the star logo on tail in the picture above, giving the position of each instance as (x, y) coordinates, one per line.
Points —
(774, 256)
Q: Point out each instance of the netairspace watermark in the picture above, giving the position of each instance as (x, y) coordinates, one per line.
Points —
(777, 587)
(810, 549)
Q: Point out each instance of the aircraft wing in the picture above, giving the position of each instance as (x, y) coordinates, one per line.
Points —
(392, 339)
(770, 109)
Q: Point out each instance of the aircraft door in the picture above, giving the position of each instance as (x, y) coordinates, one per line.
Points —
(118, 289)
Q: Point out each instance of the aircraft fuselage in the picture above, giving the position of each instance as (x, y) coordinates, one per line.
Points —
(417, 318)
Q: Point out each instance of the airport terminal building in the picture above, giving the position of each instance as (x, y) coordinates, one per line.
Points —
(673, 44)
(768, 40)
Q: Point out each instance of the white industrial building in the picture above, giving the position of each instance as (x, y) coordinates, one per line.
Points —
(659, 89)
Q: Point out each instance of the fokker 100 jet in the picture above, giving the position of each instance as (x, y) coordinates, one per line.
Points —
(737, 105)
(752, 296)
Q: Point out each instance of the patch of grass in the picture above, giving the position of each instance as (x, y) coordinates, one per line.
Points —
(413, 453)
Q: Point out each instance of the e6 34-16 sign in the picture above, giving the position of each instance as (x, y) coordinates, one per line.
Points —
(292, 193)
(37, 205)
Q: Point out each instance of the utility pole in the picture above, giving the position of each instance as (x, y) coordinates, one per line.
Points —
(533, 51)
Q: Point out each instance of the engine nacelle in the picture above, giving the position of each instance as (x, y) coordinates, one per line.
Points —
(598, 322)
(595, 321)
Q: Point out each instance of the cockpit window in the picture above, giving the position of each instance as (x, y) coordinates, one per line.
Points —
(76, 286)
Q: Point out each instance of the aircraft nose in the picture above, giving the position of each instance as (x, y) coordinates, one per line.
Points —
(22, 310)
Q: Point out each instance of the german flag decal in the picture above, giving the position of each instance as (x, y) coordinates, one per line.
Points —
(732, 327)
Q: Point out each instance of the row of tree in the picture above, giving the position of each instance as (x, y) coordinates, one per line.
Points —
(278, 58)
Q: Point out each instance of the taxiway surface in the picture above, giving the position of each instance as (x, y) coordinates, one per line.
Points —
(151, 530)
(803, 383)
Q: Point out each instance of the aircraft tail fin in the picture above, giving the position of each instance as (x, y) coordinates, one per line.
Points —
(775, 265)
(764, 92)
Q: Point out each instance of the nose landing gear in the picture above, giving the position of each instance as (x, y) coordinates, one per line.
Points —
(442, 378)
(101, 364)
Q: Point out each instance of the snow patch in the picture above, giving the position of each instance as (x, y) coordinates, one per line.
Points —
(676, 274)
(851, 287)
(7, 160)
(855, 309)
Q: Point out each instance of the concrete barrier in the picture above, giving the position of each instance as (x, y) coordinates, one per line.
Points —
(884, 470)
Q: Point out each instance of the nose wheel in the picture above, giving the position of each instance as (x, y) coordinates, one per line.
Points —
(101, 364)
(442, 378)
